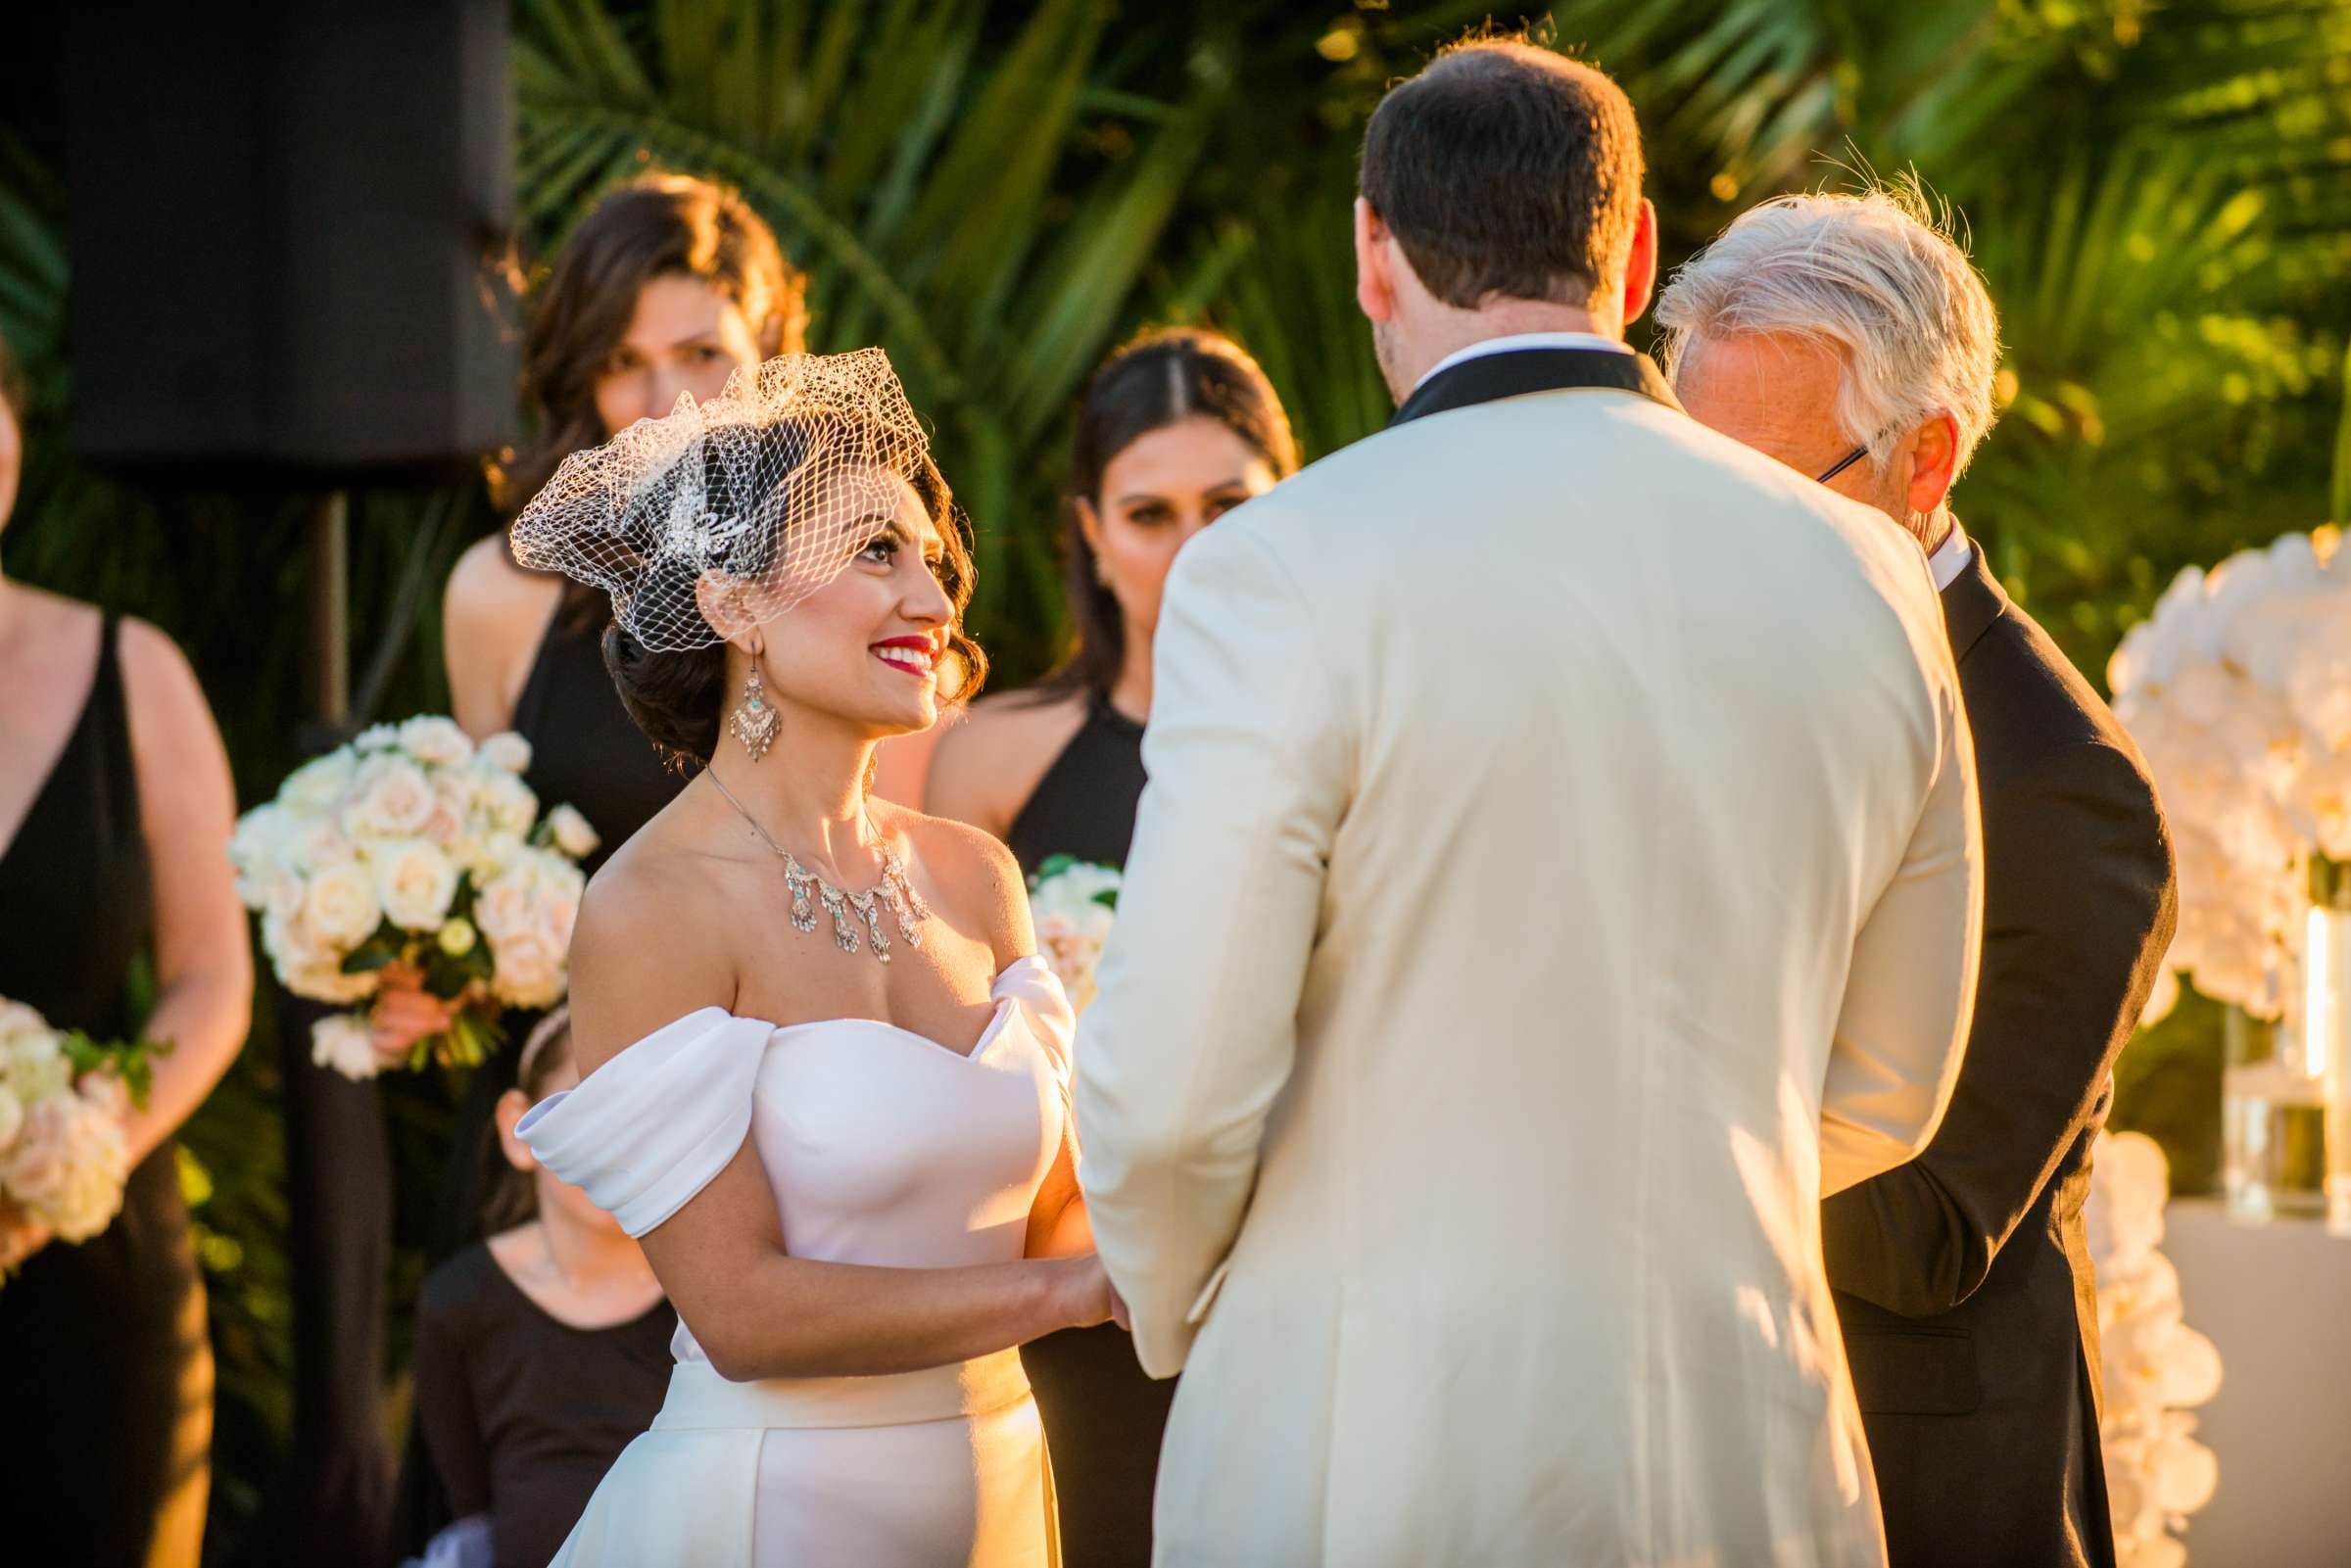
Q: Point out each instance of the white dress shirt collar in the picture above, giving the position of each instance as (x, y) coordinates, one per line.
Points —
(1951, 557)
(1525, 340)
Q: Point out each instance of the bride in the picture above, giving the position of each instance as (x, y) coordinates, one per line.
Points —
(827, 1076)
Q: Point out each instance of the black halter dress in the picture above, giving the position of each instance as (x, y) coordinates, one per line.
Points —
(1103, 1416)
(105, 1368)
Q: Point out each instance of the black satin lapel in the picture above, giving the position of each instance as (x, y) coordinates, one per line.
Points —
(1516, 372)
(1974, 601)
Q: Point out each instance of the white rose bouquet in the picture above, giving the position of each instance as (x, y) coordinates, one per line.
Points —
(2237, 690)
(414, 860)
(2155, 1368)
(63, 1155)
(1073, 903)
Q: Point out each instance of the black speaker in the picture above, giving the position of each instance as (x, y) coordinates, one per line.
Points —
(287, 222)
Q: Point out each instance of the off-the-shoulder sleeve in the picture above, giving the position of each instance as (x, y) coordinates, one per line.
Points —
(1031, 986)
(651, 1128)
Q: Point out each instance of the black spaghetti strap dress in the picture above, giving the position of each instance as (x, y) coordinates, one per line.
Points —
(104, 1363)
(1103, 1416)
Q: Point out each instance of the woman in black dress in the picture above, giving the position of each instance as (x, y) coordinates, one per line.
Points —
(669, 286)
(1176, 430)
(116, 806)
(542, 1351)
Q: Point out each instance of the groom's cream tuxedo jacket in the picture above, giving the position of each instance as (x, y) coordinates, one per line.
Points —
(1559, 870)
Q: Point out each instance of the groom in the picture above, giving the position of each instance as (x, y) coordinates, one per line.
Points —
(1559, 870)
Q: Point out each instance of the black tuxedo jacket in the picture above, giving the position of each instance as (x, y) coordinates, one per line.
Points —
(1963, 1279)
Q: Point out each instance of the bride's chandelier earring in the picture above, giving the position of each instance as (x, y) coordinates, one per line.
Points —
(753, 722)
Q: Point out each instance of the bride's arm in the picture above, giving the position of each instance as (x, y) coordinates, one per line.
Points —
(756, 1310)
(759, 1313)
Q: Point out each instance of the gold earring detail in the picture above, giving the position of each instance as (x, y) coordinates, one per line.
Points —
(754, 722)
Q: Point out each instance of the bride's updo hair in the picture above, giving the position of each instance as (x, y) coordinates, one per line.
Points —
(678, 697)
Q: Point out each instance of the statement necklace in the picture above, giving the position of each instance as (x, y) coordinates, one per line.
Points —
(894, 894)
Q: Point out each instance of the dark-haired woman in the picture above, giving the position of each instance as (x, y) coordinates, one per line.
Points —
(668, 287)
(114, 813)
(542, 1351)
(1176, 430)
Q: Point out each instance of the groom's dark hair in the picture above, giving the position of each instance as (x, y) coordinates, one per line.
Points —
(1506, 169)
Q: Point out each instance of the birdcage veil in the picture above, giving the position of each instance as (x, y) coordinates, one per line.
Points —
(769, 489)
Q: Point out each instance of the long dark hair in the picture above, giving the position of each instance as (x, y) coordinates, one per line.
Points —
(660, 225)
(1159, 379)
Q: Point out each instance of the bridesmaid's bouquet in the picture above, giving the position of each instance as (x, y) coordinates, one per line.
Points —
(63, 1155)
(1073, 903)
(412, 854)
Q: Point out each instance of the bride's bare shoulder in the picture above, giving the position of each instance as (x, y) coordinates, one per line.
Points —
(971, 879)
(642, 955)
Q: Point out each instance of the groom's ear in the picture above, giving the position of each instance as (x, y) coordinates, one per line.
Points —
(1375, 272)
(1641, 267)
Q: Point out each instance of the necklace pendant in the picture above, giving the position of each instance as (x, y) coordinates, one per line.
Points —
(905, 904)
(837, 904)
(797, 879)
(869, 909)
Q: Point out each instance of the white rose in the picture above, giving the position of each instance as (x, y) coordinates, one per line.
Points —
(433, 739)
(377, 738)
(508, 901)
(11, 1116)
(392, 798)
(254, 847)
(571, 833)
(18, 1022)
(339, 904)
(321, 782)
(508, 752)
(37, 1069)
(506, 804)
(530, 970)
(345, 1044)
(414, 882)
(307, 965)
(314, 844)
(453, 812)
(67, 1165)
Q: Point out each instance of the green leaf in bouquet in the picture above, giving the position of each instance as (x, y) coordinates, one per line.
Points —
(1052, 867)
(446, 977)
(1108, 898)
(132, 1061)
(472, 1037)
(480, 961)
(380, 951)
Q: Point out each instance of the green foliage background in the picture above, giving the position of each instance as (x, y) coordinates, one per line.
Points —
(2159, 193)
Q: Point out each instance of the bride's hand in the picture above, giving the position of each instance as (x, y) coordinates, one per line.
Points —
(1085, 1294)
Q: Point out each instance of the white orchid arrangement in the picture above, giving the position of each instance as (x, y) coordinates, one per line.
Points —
(2154, 1367)
(412, 852)
(1073, 903)
(63, 1152)
(2237, 691)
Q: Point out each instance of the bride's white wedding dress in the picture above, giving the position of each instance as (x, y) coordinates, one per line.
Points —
(885, 1147)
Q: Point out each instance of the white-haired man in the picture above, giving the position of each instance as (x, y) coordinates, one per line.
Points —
(1849, 338)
